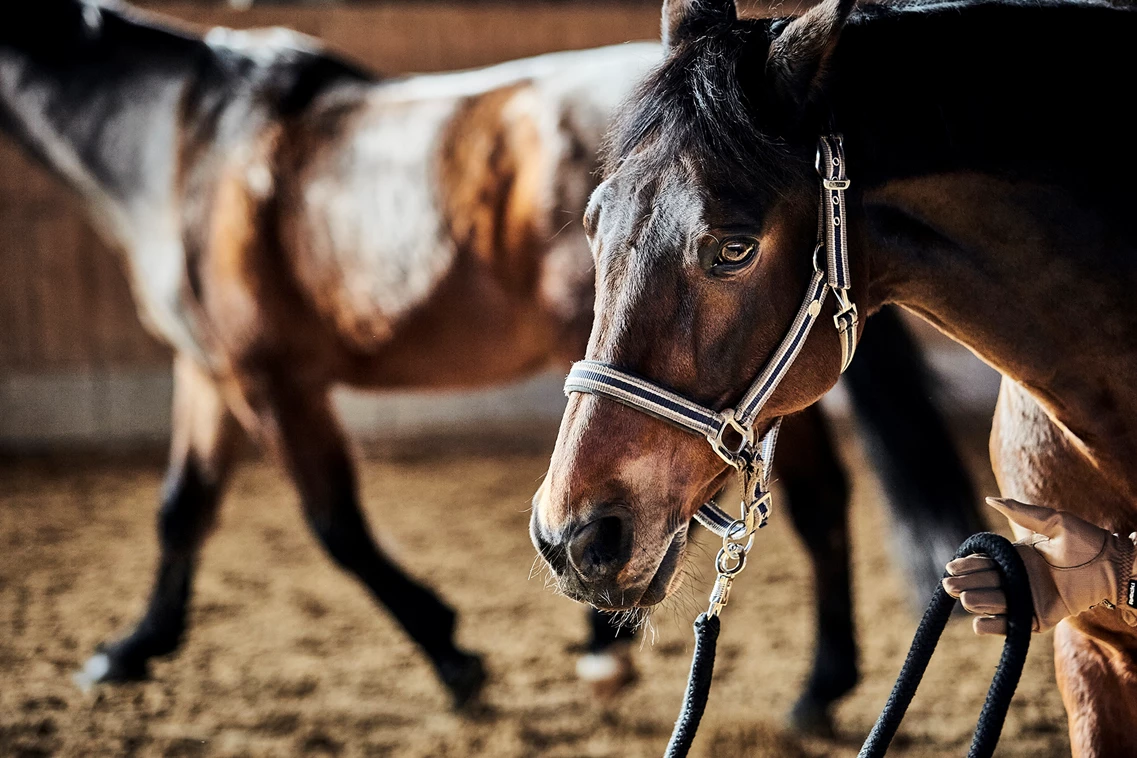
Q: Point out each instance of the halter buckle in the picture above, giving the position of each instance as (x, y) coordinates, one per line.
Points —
(844, 305)
(732, 455)
(835, 184)
(761, 509)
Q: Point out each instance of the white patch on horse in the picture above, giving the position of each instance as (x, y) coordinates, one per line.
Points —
(374, 213)
(603, 75)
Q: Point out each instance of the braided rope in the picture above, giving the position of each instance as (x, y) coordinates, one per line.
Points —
(1020, 611)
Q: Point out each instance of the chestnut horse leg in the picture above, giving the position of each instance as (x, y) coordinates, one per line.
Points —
(817, 494)
(299, 423)
(1097, 676)
(201, 453)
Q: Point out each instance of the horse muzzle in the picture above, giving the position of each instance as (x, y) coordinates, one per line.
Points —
(596, 560)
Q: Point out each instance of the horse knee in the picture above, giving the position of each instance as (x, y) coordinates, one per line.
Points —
(817, 510)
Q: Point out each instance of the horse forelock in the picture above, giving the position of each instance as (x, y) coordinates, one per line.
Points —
(703, 103)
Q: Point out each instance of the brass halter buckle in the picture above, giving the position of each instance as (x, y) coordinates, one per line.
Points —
(844, 306)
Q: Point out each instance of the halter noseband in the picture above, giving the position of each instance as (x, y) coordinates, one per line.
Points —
(731, 432)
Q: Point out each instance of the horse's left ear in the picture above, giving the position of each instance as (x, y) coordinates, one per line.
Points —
(799, 55)
(684, 20)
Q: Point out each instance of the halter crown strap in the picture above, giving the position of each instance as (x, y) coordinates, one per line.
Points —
(787, 352)
(834, 182)
(831, 232)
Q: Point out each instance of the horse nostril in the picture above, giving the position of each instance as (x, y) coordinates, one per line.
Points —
(601, 547)
(554, 555)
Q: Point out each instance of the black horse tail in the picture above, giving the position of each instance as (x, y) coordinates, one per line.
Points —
(931, 497)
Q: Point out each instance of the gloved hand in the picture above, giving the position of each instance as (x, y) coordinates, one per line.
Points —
(1072, 566)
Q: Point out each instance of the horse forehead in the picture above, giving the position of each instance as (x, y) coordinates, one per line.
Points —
(644, 210)
(677, 214)
(642, 279)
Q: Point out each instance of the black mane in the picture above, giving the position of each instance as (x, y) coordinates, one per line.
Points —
(698, 103)
(707, 100)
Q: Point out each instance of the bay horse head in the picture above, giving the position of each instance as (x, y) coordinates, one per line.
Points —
(702, 233)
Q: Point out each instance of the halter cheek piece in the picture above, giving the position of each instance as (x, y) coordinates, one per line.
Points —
(731, 432)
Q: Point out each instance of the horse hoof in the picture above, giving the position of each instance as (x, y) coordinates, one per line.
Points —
(608, 672)
(811, 718)
(106, 667)
(464, 677)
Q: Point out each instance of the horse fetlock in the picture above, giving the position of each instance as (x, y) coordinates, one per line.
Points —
(833, 677)
(464, 675)
(607, 672)
(107, 666)
(812, 717)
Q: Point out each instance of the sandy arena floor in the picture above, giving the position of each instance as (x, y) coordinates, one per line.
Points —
(289, 658)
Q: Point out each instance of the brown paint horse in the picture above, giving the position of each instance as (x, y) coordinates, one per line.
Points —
(990, 194)
(290, 223)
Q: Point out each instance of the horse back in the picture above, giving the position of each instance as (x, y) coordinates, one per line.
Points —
(451, 201)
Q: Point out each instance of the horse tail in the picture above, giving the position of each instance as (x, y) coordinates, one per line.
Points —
(931, 497)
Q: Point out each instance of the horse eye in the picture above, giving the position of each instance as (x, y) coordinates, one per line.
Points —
(735, 251)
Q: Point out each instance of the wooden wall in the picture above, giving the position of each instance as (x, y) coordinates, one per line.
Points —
(64, 303)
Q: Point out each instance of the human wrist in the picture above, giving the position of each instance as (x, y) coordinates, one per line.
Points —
(1127, 562)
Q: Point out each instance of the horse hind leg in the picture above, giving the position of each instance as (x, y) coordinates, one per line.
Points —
(201, 453)
(299, 423)
(818, 498)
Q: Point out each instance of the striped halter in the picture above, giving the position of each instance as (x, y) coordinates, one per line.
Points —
(730, 432)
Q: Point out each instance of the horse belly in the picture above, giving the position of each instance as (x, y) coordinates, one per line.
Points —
(470, 333)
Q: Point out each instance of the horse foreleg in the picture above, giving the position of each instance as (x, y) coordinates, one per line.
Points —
(818, 498)
(300, 424)
(201, 453)
(607, 665)
(1097, 675)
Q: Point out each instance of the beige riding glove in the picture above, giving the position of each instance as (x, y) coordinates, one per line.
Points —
(1072, 566)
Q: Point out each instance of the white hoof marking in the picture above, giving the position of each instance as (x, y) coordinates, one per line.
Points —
(93, 672)
(599, 667)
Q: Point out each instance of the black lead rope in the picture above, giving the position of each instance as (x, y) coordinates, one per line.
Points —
(1020, 610)
(698, 686)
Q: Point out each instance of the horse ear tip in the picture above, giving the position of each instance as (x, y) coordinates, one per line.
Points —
(682, 17)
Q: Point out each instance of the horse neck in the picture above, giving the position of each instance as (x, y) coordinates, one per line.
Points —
(1024, 91)
(100, 110)
(993, 207)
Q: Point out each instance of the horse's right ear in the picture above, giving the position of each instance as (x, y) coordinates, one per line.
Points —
(687, 19)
